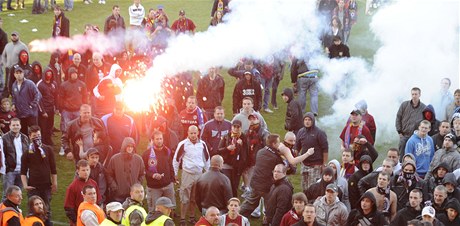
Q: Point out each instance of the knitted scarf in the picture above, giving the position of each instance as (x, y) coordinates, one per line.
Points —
(57, 24)
(348, 134)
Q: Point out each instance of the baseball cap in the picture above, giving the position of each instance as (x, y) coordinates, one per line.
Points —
(181, 12)
(92, 151)
(160, 7)
(356, 111)
(15, 33)
(247, 73)
(164, 201)
(236, 122)
(18, 68)
(252, 116)
(332, 187)
(428, 210)
(113, 206)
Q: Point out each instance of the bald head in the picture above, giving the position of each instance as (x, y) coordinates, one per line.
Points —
(212, 215)
(217, 161)
(193, 134)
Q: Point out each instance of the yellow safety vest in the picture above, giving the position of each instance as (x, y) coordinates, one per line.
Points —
(125, 220)
(159, 221)
(108, 222)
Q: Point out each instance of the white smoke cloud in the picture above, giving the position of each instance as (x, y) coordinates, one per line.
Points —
(419, 46)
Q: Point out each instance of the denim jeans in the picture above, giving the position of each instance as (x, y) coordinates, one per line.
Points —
(68, 4)
(310, 85)
(67, 116)
(267, 85)
(11, 178)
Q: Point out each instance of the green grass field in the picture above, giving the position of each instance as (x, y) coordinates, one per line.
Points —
(362, 43)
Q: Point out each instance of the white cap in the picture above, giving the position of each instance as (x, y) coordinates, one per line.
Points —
(428, 210)
(113, 206)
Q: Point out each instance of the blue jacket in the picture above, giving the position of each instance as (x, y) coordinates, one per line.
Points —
(26, 99)
(422, 149)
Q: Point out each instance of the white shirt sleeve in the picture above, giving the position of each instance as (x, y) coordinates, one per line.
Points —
(89, 218)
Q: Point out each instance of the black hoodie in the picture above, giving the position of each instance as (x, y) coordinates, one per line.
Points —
(434, 181)
(450, 178)
(245, 88)
(34, 76)
(454, 204)
(312, 137)
(293, 121)
(375, 217)
(405, 214)
(49, 93)
(434, 123)
(353, 190)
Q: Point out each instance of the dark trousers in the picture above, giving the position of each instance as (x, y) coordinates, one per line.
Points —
(252, 201)
(234, 180)
(26, 122)
(45, 194)
(46, 125)
(276, 82)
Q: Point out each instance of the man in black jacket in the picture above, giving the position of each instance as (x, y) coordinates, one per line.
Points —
(312, 137)
(233, 148)
(412, 210)
(213, 187)
(366, 214)
(38, 169)
(293, 121)
(365, 167)
(266, 160)
(49, 90)
(12, 140)
(159, 171)
(280, 196)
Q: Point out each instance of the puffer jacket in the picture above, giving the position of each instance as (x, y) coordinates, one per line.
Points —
(124, 170)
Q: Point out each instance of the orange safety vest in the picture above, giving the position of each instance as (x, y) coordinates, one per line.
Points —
(93, 207)
(8, 213)
(30, 220)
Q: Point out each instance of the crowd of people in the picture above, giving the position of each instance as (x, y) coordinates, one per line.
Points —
(194, 148)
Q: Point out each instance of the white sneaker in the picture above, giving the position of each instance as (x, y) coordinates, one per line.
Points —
(256, 212)
(268, 110)
(100, 2)
(61, 151)
(86, 2)
(103, 2)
